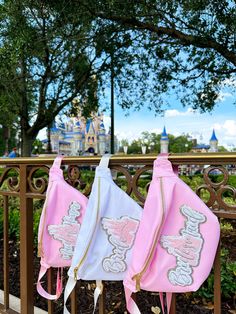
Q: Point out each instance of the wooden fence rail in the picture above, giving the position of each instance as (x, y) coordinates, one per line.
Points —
(26, 179)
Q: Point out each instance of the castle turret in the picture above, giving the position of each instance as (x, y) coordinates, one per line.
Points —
(55, 132)
(213, 142)
(90, 137)
(164, 142)
(102, 139)
(78, 138)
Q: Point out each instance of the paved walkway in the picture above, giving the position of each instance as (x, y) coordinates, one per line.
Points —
(15, 305)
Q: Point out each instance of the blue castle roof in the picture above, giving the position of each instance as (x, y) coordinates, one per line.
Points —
(89, 122)
(213, 136)
(64, 142)
(54, 129)
(164, 135)
(62, 125)
(201, 146)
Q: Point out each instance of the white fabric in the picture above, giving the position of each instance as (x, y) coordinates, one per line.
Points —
(107, 234)
(97, 293)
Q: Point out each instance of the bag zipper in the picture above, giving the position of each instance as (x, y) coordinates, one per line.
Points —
(40, 244)
(139, 275)
(91, 238)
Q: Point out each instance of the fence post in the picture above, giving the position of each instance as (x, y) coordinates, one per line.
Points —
(217, 282)
(26, 245)
(6, 253)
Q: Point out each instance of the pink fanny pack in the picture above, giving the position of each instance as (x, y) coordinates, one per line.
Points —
(59, 225)
(176, 241)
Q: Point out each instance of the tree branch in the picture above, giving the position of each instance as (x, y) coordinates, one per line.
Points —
(185, 39)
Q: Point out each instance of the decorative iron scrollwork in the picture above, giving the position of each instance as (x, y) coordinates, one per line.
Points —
(10, 177)
(38, 184)
(218, 189)
(136, 190)
(74, 177)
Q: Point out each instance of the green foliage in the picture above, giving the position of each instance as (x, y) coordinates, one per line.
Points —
(65, 50)
(179, 144)
(228, 280)
(180, 47)
(14, 219)
(45, 63)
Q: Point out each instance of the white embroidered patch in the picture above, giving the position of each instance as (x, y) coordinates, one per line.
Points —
(186, 247)
(67, 232)
(121, 234)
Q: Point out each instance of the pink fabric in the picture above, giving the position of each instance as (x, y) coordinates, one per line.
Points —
(59, 225)
(185, 249)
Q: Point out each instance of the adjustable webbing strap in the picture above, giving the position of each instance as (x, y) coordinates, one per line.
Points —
(43, 292)
(104, 162)
(165, 156)
(68, 289)
(168, 301)
(130, 304)
(57, 162)
(97, 293)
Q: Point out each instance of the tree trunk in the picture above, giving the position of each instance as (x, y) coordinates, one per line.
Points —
(49, 145)
(6, 135)
(26, 144)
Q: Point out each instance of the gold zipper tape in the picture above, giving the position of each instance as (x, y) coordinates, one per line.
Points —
(90, 241)
(139, 275)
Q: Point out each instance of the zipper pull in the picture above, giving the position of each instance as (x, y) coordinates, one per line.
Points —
(75, 272)
(137, 278)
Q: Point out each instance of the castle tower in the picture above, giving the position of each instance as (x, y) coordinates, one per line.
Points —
(102, 139)
(213, 142)
(78, 138)
(55, 132)
(164, 142)
(90, 137)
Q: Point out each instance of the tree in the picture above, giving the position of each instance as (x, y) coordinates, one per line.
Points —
(182, 47)
(157, 47)
(8, 124)
(177, 144)
(47, 59)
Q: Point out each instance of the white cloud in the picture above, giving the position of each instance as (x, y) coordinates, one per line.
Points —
(130, 136)
(217, 126)
(230, 127)
(223, 95)
(176, 113)
(227, 128)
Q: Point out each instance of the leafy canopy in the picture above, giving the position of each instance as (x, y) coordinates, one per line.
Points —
(182, 47)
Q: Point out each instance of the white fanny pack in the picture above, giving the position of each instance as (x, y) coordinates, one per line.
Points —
(107, 234)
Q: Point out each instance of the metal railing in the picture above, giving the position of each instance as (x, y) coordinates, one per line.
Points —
(21, 179)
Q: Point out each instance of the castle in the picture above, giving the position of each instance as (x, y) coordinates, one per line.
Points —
(197, 148)
(80, 135)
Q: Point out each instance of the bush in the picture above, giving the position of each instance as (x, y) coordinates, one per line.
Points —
(14, 219)
(228, 280)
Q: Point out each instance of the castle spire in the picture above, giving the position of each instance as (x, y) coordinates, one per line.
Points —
(164, 141)
(213, 142)
(213, 136)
